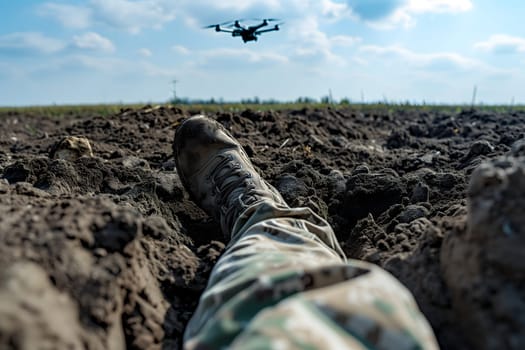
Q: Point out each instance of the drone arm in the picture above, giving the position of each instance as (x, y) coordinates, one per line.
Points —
(238, 25)
(225, 30)
(259, 32)
(259, 26)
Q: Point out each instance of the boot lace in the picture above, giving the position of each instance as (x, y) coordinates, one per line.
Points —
(233, 188)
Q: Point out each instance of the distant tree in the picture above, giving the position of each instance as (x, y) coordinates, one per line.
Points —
(325, 100)
(305, 100)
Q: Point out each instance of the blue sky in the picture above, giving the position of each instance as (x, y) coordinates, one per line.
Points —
(106, 51)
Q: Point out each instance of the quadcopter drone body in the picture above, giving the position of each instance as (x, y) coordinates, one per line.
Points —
(249, 33)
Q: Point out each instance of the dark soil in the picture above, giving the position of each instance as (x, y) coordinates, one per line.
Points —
(109, 252)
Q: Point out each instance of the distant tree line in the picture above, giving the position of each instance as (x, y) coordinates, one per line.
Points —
(257, 101)
(325, 100)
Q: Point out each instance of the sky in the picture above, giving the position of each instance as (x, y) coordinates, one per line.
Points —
(132, 51)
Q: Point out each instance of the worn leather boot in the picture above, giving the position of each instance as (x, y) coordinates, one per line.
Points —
(217, 172)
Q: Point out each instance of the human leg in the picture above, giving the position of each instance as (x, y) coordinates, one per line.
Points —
(283, 278)
(279, 284)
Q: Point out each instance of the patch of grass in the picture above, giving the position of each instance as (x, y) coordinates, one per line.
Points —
(60, 111)
(359, 107)
(64, 111)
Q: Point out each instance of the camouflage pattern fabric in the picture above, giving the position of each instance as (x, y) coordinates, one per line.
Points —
(284, 283)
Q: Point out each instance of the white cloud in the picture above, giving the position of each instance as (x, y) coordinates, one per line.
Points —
(333, 10)
(93, 41)
(83, 63)
(501, 43)
(101, 64)
(438, 6)
(132, 16)
(29, 43)
(378, 13)
(228, 58)
(311, 44)
(344, 40)
(404, 13)
(203, 12)
(434, 61)
(144, 52)
(75, 63)
(241, 5)
(245, 55)
(181, 50)
(70, 16)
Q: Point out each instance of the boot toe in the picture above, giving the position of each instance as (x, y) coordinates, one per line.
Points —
(196, 140)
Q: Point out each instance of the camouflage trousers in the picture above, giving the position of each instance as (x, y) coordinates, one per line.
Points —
(283, 282)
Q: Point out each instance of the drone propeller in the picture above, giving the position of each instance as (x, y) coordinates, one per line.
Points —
(270, 29)
(277, 25)
(234, 24)
(265, 19)
(257, 19)
(219, 24)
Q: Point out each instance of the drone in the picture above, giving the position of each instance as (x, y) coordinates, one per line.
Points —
(249, 33)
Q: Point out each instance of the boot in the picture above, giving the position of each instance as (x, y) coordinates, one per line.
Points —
(217, 173)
